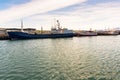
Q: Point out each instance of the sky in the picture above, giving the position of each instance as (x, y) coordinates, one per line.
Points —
(72, 14)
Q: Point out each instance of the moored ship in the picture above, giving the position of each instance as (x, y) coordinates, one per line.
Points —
(108, 32)
(56, 32)
(87, 33)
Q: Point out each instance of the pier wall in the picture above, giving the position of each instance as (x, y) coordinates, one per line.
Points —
(4, 37)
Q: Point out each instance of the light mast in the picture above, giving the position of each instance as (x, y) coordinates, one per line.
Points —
(21, 25)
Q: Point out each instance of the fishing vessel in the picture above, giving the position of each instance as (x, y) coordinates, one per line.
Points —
(108, 32)
(87, 33)
(56, 32)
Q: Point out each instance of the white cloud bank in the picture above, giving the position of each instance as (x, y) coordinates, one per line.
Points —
(99, 16)
(34, 7)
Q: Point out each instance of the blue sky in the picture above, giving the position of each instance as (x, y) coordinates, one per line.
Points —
(4, 4)
(73, 14)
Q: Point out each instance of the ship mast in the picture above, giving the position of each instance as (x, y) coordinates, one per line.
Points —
(21, 25)
(58, 24)
(54, 23)
(41, 29)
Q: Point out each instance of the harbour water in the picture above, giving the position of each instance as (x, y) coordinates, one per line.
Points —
(77, 58)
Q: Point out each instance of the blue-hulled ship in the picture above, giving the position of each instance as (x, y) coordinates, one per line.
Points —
(56, 32)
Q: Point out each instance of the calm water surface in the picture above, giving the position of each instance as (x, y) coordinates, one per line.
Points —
(78, 58)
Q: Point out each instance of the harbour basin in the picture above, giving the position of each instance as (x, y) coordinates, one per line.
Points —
(77, 58)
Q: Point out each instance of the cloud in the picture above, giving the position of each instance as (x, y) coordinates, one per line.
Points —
(99, 16)
(34, 7)
(82, 16)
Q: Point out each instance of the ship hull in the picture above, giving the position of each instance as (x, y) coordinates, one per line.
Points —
(23, 35)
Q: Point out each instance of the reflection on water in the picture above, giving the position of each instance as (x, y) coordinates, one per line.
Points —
(82, 58)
